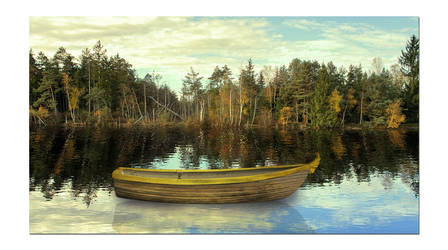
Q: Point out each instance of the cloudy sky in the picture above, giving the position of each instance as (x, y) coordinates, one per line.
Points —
(171, 45)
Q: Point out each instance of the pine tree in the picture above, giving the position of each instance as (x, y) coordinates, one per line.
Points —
(49, 86)
(193, 86)
(321, 115)
(35, 78)
(247, 91)
(409, 61)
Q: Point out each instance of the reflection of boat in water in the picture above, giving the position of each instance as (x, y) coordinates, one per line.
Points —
(133, 217)
(212, 186)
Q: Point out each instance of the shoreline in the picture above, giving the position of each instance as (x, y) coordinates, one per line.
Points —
(205, 125)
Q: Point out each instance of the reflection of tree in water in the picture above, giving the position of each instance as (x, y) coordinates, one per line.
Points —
(397, 137)
(83, 159)
(188, 158)
(338, 147)
(367, 154)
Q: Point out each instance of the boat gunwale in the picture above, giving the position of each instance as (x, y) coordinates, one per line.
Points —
(117, 175)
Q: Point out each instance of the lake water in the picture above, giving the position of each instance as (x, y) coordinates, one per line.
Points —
(367, 181)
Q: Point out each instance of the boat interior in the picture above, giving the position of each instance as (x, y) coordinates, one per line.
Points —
(200, 174)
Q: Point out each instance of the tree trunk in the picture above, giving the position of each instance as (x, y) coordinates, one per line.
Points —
(54, 101)
(138, 106)
(144, 97)
(241, 107)
(255, 111)
(89, 86)
(343, 115)
(230, 105)
(360, 113)
(176, 114)
(201, 112)
(40, 119)
(197, 110)
(297, 112)
(72, 114)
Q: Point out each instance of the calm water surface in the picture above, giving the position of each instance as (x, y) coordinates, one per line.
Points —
(367, 182)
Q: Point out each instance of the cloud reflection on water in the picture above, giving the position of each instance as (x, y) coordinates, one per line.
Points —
(367, 182)
(354, 206)
(133, 217)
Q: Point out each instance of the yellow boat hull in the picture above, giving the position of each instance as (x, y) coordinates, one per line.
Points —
(211, 186)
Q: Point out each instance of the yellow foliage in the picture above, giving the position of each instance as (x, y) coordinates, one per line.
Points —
(74, 97)
(394, 115)
(285, 114)
(97, 113)
(245, 111)
(73, 93)
(244, 99)
(42, 112)
(334, 100)
(65, 79)
(32, 112)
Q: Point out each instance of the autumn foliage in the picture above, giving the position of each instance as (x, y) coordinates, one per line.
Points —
(285, 115)
(335, 100)
(394, 115)
(98, 89)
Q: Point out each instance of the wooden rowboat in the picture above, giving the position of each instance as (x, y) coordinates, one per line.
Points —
(212, 186)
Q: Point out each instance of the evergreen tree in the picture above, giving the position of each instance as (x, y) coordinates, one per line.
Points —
(294, 89)
(35, 78)
(102, 88)
(281, 83)
(193, 85)
(306, 81)
(49, 86)
(321, 115)
(216, 79)
(247, 91)
(409, 61)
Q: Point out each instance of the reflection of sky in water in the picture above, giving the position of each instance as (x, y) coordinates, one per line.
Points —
(348, 207)
(175, 159)
(358, 207)
(267, 217)
(183, 157)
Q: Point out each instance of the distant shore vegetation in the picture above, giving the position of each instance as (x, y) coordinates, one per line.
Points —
(100, 90)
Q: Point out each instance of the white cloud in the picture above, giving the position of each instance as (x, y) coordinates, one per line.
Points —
(175, 44)
(358, 203)
(303, 24)
(349, 43)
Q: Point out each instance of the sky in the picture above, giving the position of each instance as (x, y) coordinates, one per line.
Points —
(170, 46)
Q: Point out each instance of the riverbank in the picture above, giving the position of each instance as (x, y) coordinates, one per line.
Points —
(407, 126)
(208, 125)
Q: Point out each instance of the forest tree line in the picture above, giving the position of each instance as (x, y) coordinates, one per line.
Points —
(97, 89)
